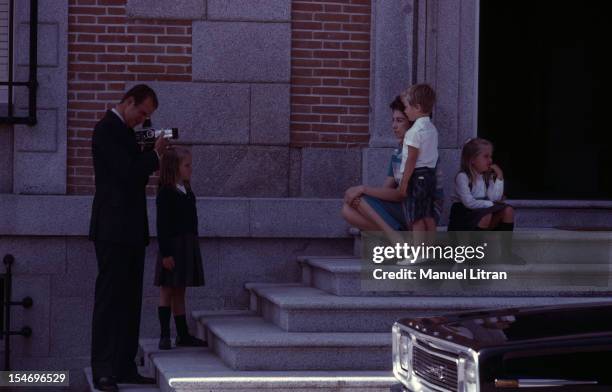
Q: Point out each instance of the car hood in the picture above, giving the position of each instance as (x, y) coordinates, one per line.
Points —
(483, 328)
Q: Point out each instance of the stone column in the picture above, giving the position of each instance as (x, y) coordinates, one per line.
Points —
(447, 58)
(392, 52)
(391, 64)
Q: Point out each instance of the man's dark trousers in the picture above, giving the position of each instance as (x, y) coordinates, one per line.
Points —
(117, 308)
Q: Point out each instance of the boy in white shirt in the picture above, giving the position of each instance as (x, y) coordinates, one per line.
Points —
(419, 159)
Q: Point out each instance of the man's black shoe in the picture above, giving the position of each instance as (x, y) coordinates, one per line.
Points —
(164, 344)
(189, 341)
(106, 384)
(136, 379)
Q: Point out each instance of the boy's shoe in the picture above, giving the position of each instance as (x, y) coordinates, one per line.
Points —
(190, 341)
(164, 344)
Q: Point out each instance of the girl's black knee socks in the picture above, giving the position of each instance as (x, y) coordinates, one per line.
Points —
(181, 325)
(164, 320)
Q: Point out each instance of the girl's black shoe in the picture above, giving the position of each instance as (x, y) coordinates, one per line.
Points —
(190, 341)
(164, 344)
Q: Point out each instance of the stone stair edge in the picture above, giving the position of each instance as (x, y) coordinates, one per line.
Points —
(310, 298)
(216, 374)
(199, 314)
(349, 265)
(264, 334)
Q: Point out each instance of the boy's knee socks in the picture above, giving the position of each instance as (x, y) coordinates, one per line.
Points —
(506, 238)
(164, 320)
(503, 226)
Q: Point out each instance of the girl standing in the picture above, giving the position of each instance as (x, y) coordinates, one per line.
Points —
(179, 263)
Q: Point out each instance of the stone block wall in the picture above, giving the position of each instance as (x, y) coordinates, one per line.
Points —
(107, 50)
(252, 85)
(59, 273)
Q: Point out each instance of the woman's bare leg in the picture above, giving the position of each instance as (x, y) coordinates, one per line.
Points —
(354, 217)
(366, 210)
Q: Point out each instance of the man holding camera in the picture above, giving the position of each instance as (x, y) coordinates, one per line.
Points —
(119, 229)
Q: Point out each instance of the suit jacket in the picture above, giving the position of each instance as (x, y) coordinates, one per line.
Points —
(122, 170)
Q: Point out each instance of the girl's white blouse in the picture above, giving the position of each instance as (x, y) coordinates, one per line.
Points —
(480, 196)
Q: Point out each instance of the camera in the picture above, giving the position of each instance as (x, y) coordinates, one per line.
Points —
(148, 134)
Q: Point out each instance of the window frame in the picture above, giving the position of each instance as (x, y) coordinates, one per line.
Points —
(32, 82)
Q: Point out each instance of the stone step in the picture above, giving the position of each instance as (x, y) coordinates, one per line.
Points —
(251, 343)
(148, 347)
(203, 371)
(335, 275)
(202, 332)
(122, 387)
(555, 213)
(347, 277)
(340, 275)
(307, 309)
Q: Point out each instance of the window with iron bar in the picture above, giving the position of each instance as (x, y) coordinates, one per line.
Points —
(7, 50)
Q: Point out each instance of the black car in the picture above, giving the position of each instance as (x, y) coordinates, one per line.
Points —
(552, 348)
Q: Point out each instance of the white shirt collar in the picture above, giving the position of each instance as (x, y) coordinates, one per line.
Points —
(118, 115)
(181, 188)
(424, 119)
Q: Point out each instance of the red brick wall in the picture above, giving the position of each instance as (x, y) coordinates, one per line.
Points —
(106, 50)
(330, 66)
(330, 73)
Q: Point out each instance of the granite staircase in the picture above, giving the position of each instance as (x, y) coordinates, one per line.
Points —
(321, 334)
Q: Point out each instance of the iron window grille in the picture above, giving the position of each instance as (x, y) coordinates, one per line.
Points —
(31, 84)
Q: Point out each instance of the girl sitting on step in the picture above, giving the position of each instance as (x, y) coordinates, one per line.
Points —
(479, 192)
(179, 263)
(478, 200)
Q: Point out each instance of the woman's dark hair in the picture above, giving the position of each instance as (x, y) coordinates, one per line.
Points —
(140, 92)
(397, 104)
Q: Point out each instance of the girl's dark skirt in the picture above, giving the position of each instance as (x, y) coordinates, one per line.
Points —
(188, 270)
(465, 219)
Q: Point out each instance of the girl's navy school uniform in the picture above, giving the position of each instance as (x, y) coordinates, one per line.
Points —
(177, 232)
(471, 202)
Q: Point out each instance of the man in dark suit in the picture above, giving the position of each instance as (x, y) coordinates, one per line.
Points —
(119, 229)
